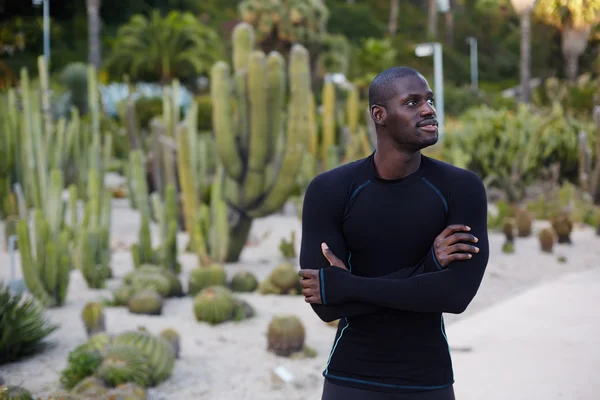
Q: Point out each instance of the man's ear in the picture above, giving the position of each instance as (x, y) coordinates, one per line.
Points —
(378, 114)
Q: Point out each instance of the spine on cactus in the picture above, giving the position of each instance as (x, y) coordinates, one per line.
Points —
(46, 272)
(186, 182)
(328, 119)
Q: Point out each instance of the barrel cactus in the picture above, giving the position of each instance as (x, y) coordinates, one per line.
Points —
(282, 280)
(93, 318)
(285, 335)
(90, 387)
(563, 227)
(158, 351)
(171, 336)
(82, 362)
(243, 281)
(146, 302)
(124, 363)
(547, 238)
(214, 305)
(203, 277)
(252, 120)
(99, 341)
(524, 221)
(242, 310)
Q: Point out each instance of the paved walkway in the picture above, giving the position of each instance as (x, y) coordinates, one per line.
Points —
(541, 345)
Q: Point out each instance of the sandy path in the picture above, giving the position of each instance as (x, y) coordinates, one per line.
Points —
(230, 361)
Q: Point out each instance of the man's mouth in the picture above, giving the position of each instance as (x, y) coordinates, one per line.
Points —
(430, 125)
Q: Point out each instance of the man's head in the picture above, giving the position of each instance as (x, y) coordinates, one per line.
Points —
(402, 107)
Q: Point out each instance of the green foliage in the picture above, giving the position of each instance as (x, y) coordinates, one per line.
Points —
(81, 363)
(23, 327)
(174, 46)
(511, 149)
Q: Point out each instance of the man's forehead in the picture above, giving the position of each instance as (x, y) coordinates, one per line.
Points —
(413, 84)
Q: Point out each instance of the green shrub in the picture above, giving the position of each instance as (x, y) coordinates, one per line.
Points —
(23, 327)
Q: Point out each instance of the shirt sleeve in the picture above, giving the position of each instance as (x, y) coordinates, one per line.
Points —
(449, 290)
(322, 213)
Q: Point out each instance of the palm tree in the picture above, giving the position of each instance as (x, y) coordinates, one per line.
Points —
(176, 46)
(94, 47)
(524, 8)
(575, 20)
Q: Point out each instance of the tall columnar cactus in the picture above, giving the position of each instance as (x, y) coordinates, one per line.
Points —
(329, 136)
(166, 213)
(249, 119)
(45, 269)
(211, 233)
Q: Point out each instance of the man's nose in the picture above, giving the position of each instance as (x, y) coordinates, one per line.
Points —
(427, 110)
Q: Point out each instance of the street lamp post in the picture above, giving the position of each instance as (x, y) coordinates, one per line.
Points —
(46, 4)
(524, 8)
(425, 50)
(474, 63)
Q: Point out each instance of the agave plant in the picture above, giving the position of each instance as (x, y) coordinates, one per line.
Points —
(23, 327)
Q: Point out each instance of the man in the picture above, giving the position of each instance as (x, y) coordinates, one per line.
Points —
(383, 214)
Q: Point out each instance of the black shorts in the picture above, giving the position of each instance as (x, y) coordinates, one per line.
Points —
(331, 391)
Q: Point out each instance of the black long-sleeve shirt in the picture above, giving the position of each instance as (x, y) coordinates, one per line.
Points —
(391, 335)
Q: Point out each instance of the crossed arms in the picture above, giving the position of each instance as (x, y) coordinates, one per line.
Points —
(335, 293)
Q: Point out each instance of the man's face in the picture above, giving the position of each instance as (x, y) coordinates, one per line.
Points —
(409, 118)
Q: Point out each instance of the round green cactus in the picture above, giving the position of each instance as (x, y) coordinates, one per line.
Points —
(122, 295)
(285, 335)
(128, 391)
(93, 318)
(146, 302)
(285, 277)
(99, 341)
(171, 336)
(143, 281)
(157, 350)
(546, 238)
(174, 282)
(244, 281)
(90, 387)
(214, 305)
(125, 363)
(203, 277)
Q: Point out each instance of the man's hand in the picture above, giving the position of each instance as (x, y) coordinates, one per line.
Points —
(447, 248)
(311, 284)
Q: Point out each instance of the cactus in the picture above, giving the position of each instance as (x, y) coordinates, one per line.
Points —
(146, 302)
(98, 342)
(524, 221)
(283, 279)
(203, 277)
(287, 248)
(211, 234)
(546, 237)
(93, 318)
(90, 387)
(81, 363)
(128, 391)
(563, 226)
(124, 363)
(242, 310)
(285, 335)
(243, 281)
(171, 336)
(158, 351)
(166, 214)
(45, 270)
(214, 305)
(248, 121)
(12, 392)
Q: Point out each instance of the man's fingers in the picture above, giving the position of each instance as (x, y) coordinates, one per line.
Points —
(462, 248)
(308, 273)
(450, 229)
(458, 257)
(459, 237)
(329, 254)
(306, 292)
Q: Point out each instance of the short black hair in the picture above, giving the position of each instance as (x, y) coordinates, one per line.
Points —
(382, 88)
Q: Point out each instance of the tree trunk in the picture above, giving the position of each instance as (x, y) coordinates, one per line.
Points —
(238, 236)
(95, 49)
(574, 43)
(432, 19)
(449, 24)
(393, 21)
(525, 65)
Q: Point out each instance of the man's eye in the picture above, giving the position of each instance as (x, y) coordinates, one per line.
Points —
(431, 101)
(411, 103)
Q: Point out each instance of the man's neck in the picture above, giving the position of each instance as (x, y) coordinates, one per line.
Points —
(392, 163)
